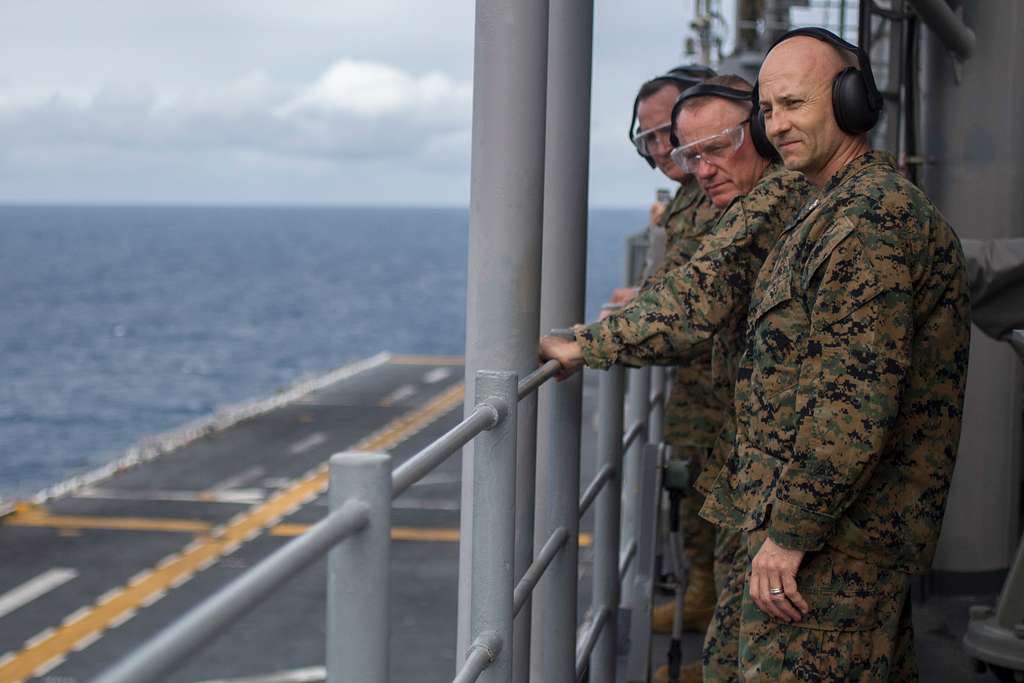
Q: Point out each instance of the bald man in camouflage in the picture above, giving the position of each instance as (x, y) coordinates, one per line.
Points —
(849, 395)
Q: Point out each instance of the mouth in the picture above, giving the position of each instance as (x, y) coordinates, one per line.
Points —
(786, 144)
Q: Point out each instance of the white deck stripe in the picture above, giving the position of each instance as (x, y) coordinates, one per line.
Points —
(303, 445)
(399, 394)
(437, 375)
(243, 477)
(236, 496)
(34, 588)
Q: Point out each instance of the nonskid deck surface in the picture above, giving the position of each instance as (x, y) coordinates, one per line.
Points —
(87, 577)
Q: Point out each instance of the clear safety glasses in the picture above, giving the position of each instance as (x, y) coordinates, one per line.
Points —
(646, 140)
(713, 149)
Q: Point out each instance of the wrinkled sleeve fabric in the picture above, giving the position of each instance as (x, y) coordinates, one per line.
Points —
(676, 316)
(858, 354)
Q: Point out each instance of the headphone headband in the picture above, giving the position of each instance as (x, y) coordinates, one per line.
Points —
(761, 143)
(683, 77)
(863, 61)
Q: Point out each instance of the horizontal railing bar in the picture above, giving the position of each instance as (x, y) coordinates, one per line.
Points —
(589, 640)
(635, 430)
(536, 569)
(529, 384)
(656, 399)
(595, 486)
(627, 559)
(197, 627)
(483, 417)
(482, 652)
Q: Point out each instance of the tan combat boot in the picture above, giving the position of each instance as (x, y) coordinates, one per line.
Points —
(698, 604)
(689, 673)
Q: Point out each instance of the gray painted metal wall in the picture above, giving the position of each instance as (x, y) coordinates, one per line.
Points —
(973, 141)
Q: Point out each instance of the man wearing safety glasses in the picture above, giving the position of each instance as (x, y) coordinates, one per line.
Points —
(693, 414)
(701, 306)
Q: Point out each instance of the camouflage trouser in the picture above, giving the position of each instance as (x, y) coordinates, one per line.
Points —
(721, 643)
(859, 627)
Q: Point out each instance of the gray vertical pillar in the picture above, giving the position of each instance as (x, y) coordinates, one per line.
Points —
(659, 387)
(505, 213)
(570, 34)
(357, 573)
(637, 399)
(606, 524)
(492, 581)
(974, 175)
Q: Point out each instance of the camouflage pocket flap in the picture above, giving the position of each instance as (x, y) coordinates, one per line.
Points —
(775, 290)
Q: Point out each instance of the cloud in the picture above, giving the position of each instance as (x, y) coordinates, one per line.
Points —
(355, 110)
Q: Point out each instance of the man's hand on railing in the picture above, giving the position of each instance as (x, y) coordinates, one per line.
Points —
(566, 351)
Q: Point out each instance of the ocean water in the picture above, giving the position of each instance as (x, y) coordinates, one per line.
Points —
(120, 322)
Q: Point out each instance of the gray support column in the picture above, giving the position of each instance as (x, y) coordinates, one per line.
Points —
(505, 213)
(606, 524)
(357, 573)
(637, 398)
(492, 578)
(659, 385)
(566, 176)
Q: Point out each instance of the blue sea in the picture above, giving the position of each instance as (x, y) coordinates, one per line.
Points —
(121, 322)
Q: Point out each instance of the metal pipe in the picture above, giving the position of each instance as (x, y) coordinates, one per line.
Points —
(656, 421)
(627, 559)
(638, 660)
(607, 520)
(415, 468)
(492, 579)
(200, 625)
(588, 642)
(594, 488)
(357, 573)
(637, 409)
(536, 570)
(535, 379)
(563, 284)
(505, 217)
(482, 652)
(656, 400)
(950, 28)
(635, 429)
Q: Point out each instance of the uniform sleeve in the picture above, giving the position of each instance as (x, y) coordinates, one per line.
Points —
(848, 392)
(675, 317)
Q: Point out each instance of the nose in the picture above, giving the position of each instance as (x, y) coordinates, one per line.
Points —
(776, 125)
(705, 170)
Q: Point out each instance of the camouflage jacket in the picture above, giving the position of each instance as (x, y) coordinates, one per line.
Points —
(849, 394)
(693, 414)
(699, 308)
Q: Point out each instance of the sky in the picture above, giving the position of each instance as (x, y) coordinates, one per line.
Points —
(259, 102)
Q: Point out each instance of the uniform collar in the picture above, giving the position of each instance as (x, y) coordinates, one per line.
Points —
(874, 157)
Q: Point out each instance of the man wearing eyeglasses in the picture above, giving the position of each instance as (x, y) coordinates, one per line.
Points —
(701, 306)
(693, 414)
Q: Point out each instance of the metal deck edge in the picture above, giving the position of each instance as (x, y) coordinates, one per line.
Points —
(154, 446)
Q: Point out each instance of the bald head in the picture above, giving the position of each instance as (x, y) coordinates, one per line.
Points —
(795, 93)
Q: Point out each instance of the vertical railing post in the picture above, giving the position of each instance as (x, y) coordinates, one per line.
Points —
(606, 523)
(557, 591)
(659, 385)
(637, 400)
(358, 571)
(506, 207)
(638, 660)
(494, 492)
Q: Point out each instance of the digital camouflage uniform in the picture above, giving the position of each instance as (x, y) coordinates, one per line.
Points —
(693, 414)
(848, 410)
(696, 307)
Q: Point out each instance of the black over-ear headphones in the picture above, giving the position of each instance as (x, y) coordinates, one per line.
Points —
(681, 76)
(757, 136)
(855, 98)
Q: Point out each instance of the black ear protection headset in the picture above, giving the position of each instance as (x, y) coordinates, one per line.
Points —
(682, 77)
(856, 102)
(757, 135)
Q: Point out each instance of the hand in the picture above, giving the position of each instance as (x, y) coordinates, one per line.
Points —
(623, 295)
(776, 567)
(657, 212)
(567, 352)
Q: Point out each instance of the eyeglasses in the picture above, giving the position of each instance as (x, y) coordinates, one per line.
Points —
(713, 149)
(645, 140)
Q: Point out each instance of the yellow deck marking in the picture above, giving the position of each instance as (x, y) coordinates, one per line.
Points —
(38, 517)
(426, 360)
(119, 604)
(402, 533)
